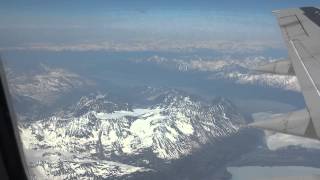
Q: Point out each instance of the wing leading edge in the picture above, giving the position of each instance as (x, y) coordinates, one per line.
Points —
(301, 31)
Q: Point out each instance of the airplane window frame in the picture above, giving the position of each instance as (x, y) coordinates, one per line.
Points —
(12, 160)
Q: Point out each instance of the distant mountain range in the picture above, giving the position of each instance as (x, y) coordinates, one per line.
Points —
(44, 84)
(227, 68)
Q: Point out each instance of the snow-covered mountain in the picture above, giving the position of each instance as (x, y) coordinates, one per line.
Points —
(102, 138)
(44, 84)
(227, 68)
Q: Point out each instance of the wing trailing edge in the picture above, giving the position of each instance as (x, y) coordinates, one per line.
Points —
(297, 123)
(301, 31)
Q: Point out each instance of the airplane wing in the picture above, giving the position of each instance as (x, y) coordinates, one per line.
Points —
(301, 31)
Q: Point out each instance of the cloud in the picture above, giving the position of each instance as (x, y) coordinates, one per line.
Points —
(151, 45)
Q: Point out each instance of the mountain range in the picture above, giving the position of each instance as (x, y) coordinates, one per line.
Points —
(101, 138)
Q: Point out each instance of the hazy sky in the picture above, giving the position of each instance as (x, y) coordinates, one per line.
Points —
(75, 21)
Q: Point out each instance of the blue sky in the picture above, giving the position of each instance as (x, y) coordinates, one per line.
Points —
(24, 22)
